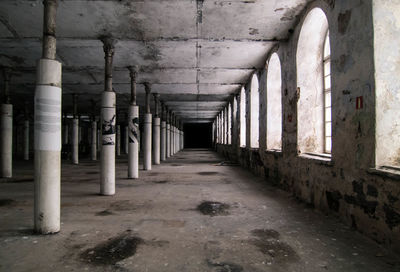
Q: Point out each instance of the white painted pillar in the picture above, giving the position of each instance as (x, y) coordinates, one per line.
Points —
(163, 141)
(133, 156)
(94, 141)
(178, 140)
(183, 141)
(175, 140)
(172, 135)
(6, 129)
(75, 141)
(156, 132)
(168, 140)
(147, 142)
(108, 143)
(147, 132)
(133, 128)
(156, 141)
(26, 140)
(47, 137)
(108, 120)
(118, 140)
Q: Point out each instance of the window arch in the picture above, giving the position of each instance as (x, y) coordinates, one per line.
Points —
(274, 103)
(242, 117)
(327, 96)
(313, 128)
(254, 112)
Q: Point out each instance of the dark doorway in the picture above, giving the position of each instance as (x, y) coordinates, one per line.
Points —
(198, 135)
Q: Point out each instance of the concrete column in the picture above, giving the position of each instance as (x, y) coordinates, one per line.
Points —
(147, 131)
(108, 120)
(6, 128)
(163, 135)
(75, 132)
(47, 137)
(182, 137)
(118, 146)
(176, 136)
(216, 129)
(133, 124)
(93, 152)
(179, 136)
(172, 134)
(126, 143)
(168, 135)
(156, 132)
(75, 141)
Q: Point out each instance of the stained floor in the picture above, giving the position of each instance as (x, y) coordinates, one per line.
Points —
(191, 213)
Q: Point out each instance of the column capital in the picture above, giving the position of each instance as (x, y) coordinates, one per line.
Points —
(108, 45)
(133, 71)
(147, 87)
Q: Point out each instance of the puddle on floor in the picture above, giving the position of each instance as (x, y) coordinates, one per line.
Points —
(112, 251)
(268, 242)
(213, 208)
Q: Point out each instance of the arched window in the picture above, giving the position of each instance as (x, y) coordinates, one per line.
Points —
(327, 96)
(254, 112)
(274, 103)
(313, 81)
(229, 123)
(242, 117)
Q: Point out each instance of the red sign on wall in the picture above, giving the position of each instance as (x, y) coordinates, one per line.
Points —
(359, 103)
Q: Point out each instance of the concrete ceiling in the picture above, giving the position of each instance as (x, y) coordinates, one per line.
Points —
(195, 53)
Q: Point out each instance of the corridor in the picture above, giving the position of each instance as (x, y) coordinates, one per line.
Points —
(195, 212)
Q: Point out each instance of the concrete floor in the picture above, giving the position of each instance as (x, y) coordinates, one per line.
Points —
(155, 223)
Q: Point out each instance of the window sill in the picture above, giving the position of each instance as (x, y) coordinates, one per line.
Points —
(386, 172)
(324, 159)
(277, 152)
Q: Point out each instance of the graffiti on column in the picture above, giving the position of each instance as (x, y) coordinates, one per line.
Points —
(108, 129)
(134, 130)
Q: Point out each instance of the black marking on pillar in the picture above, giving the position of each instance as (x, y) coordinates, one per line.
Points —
(108, 128)
(134, 129)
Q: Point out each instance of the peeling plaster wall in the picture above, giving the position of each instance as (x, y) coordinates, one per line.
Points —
(347, 186)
